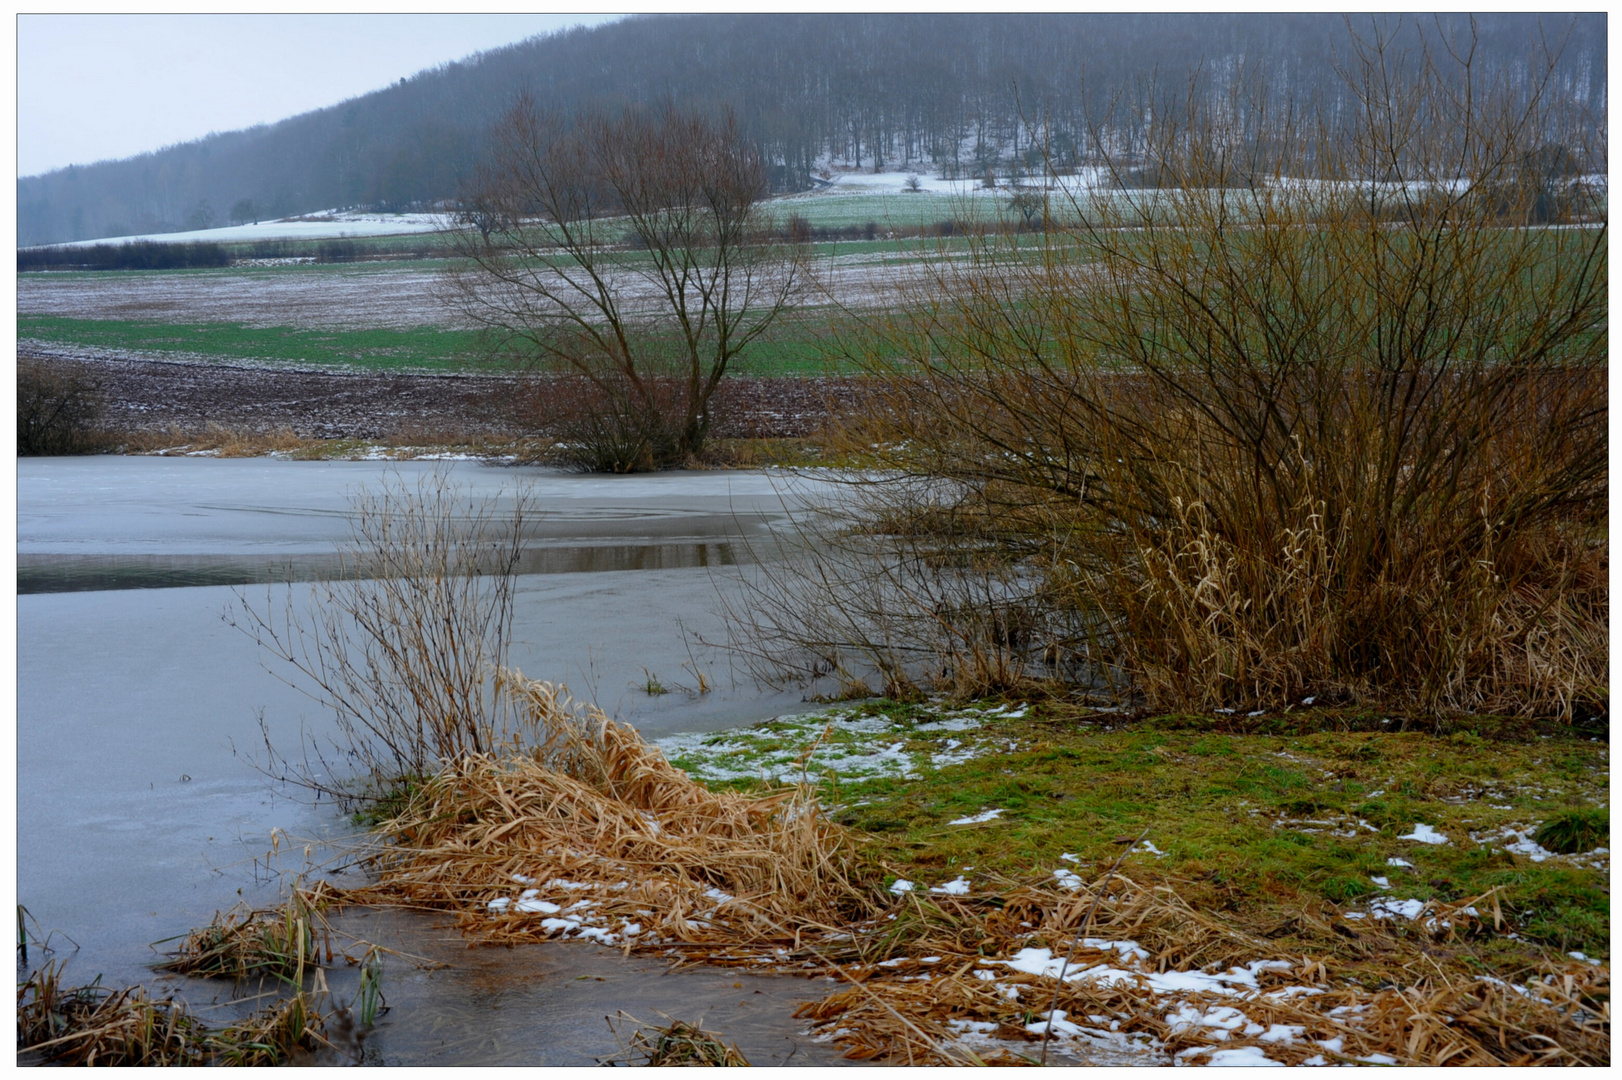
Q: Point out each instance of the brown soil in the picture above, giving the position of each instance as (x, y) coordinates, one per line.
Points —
(147, 395)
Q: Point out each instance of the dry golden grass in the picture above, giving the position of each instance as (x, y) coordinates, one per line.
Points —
(215, 440)
(1420, 1015)
(593, 804)
(1473, 1023)
(282, 943)
(91, 1025)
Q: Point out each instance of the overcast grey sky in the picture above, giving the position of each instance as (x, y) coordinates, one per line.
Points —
(92, 87)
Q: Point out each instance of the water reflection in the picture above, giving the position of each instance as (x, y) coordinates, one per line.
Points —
(57, 573)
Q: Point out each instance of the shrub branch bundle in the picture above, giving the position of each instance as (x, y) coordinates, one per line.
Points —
(1324, 412)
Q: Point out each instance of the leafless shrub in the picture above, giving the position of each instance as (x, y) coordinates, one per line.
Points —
(407, 644)
(58, 409)
(893, 586)
(1241, 440)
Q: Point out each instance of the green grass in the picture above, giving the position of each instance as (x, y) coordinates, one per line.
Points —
(1260, 825)
(798, 346)
(425, 348)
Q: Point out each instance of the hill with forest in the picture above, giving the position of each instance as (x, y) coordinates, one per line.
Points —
(956, 95)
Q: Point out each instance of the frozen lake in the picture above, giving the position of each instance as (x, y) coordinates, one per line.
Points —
(136, 821)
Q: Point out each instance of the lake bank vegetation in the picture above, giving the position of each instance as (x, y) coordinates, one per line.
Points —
(1233, 568)
(1236, 446)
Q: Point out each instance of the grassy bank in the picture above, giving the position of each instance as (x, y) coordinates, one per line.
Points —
(1265, 827)
(1373, 868)
(1309, 888)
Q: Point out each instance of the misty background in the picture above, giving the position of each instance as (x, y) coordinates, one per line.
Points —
(951, 94)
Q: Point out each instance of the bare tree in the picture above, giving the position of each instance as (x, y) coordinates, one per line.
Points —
(630, 255)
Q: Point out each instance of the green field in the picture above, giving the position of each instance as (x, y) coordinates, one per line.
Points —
(800, 347)
(425, 349)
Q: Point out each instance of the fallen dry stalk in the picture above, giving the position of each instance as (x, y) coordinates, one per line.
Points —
(968, 998)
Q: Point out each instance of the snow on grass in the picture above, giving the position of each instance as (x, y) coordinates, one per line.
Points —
(1424, 834)
(325, 225)
(844, 742)
(976, 819)
(1068, 880)
(901, 182)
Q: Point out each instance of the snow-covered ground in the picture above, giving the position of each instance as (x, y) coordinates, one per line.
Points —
(324, 225)
(895, 183)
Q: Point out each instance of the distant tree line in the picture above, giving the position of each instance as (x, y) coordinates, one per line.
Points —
(141, 255)
(957, 95)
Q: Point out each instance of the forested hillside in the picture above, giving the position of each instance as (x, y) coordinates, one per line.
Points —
(943, 93)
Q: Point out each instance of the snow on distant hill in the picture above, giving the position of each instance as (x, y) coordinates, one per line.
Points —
(325, 225)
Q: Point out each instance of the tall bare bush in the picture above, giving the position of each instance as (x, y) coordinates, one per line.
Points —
(408, 643)
(1324, 413)
(58, 410)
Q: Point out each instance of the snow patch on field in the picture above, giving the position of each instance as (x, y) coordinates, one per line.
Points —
(898, 183)
(1424, 834)
(324, 225)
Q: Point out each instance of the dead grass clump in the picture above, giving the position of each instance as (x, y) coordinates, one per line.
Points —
(282, 943)
(293, 1031)
(677, 1043)
(95, 1025)
(617, 843)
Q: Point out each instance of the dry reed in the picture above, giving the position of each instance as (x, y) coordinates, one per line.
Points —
(598, 820)
(214, 440)
(282, 943)
(95, 1025)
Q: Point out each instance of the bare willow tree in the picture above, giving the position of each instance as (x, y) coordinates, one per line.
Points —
(629, 256)
(1312, 403)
